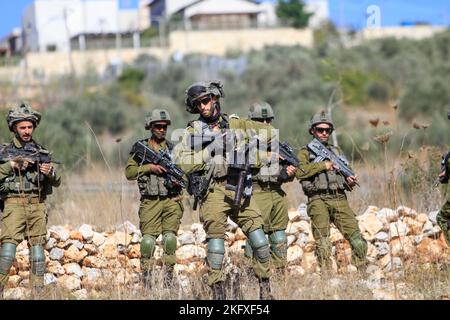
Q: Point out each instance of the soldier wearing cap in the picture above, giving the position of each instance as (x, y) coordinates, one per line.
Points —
(161, 207)
(203, 98)
(270, 197)
(327, 200)
(24, 186)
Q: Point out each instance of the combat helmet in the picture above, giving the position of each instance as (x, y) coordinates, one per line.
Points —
(22, 112)
(201, 89)
(260, 110)
(156, 115)
(321, 117)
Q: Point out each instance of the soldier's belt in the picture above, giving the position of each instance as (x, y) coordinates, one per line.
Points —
(265, 186)
(324, 193)
(25, 200)
(174, 197)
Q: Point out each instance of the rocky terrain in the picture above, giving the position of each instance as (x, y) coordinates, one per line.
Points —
(83, 260)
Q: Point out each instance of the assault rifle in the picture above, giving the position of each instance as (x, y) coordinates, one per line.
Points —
(288, 158)
(146, 155)
(244, 185)
(322, 153)
(444, 168)
(30, 153)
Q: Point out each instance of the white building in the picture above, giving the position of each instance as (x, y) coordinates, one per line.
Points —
(50, 24)
(320, 11)
(214, 14)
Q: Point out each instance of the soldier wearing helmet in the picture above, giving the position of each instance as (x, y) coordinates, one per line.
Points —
(443, 217)
(270, 197)
(327, 200)
(24, 187)
(212, 166)
(161, 207)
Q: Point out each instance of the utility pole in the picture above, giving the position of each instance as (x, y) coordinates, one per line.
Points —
(72, 68)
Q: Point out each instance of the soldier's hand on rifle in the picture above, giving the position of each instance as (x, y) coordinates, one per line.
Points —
(291, 170)
(352, 180)
(442, 174)
(330, 166)
(156, 168)
(46, 168)
(20, 164)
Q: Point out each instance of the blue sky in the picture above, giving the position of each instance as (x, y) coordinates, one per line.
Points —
(350, 13)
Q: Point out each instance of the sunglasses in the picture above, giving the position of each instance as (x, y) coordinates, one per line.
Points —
(205, 100)
(160, 126)
(323, 130)
(267, 120)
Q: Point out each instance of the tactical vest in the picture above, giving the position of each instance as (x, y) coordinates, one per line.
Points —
(325, 181)
(266, 178)
(219, 161)
(30, 181)
(157, 185)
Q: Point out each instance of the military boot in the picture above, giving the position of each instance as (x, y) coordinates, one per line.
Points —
(37, 285)
(168, 276)
(218, 291)
(265, 293)
(233, 284)
(146, 277)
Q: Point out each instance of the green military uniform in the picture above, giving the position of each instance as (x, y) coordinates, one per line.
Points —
(161, 207)
(327, 202)
(270, 199)
(160, 211)
(217, 204)
(443, 217)
(24, 214)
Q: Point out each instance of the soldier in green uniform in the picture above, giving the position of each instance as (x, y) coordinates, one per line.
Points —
(217, 204)
(24, 186)
(327, 200)
(270, 198)
(443, 217)
(161, 207)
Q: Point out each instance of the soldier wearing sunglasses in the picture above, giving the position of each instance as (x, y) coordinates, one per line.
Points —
(203, 98)
(161, 207)
(327, 200)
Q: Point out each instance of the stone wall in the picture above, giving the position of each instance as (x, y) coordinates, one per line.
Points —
(80, 259)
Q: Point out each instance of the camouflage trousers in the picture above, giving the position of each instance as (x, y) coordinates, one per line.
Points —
(215, 209)
(324, 210)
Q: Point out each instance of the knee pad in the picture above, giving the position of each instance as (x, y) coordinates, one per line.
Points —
(37, 260)
(359, 245)
(148, 244)
(278, 243)
(216, 253)
(7, 256)
(169, 241)
(260, 245)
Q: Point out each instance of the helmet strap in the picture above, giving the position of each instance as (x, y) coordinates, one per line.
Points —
(215, 116)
